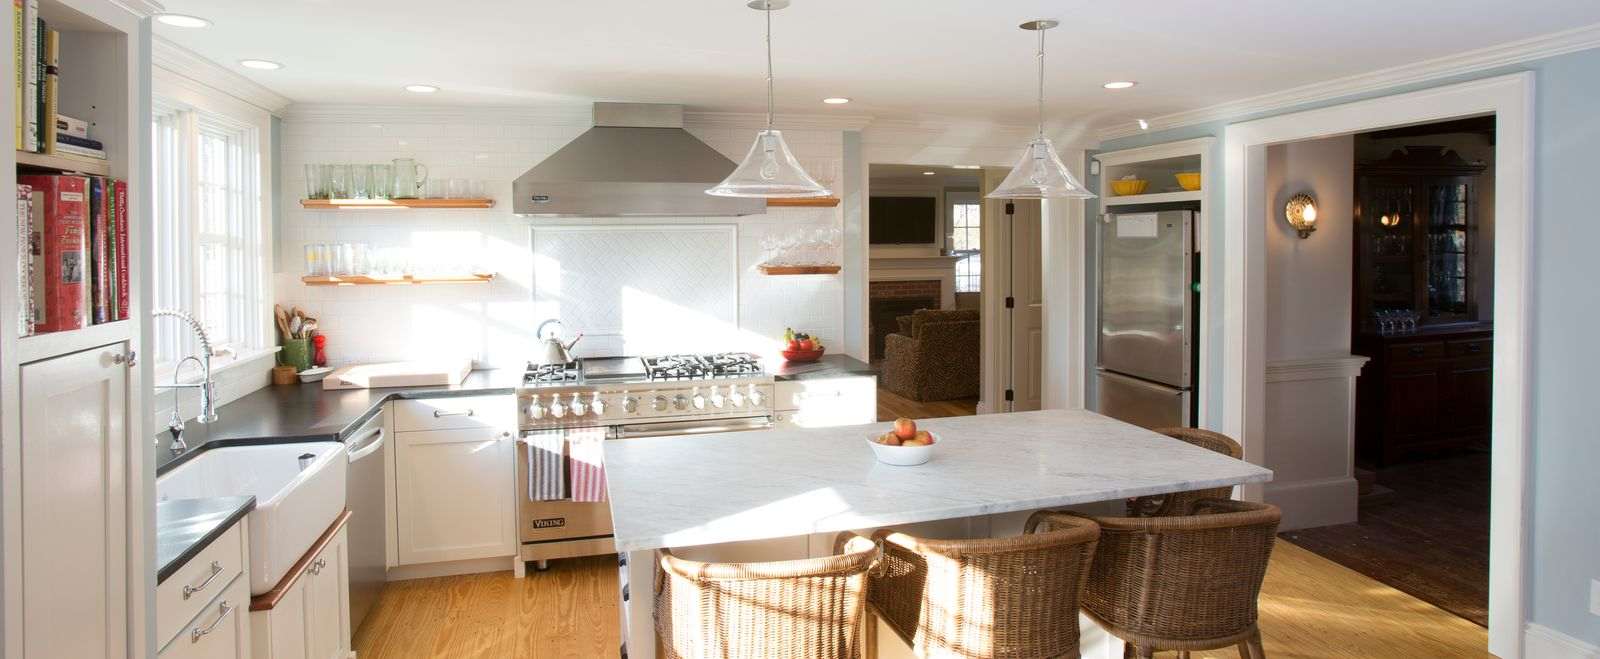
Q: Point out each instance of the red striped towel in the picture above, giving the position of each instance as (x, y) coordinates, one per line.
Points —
(587, 464)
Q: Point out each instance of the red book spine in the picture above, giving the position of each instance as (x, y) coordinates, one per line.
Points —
(65, 248)
(121, 188)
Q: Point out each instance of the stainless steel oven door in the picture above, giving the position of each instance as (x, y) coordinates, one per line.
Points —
(698, 427)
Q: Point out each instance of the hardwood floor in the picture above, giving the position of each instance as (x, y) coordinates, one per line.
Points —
(1310, 607)
(892, 406)
(1429, 536)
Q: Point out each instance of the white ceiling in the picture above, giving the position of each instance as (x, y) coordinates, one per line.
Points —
(895, 58)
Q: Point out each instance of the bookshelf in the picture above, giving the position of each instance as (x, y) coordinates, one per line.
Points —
(103, 77)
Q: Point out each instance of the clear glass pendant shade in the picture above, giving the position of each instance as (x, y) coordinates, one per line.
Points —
(1040, 174)
(769, 170)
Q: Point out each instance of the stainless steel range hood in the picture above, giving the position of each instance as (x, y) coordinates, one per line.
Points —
(637, 160)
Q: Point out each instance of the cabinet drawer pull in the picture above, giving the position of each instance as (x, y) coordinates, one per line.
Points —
(1417, 351)
(216, 569)
(1475, 347)
(441, 413)
(199, 632)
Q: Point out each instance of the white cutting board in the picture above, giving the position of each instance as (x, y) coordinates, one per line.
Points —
(398, 374)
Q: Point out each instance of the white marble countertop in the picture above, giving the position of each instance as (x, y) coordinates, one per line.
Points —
(684, 491)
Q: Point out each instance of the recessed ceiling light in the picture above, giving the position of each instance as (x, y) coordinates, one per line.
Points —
(836, 100)
(1144, 125)
(422, 89)
(967, 166)
(929, 173)
(261, 64)
(1119, 84)
(182, 20)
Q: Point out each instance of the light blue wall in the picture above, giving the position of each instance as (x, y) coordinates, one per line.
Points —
(1565, 552)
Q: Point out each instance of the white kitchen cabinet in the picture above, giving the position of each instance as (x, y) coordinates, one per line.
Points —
(220, 631)
(455, 494)
(819, 403)
(194, 588)
(311, 619)
(73, 542)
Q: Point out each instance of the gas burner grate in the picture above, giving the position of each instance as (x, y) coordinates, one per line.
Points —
(551, 373)
(698, 367)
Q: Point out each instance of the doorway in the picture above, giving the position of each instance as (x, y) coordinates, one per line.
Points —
(1243, 414)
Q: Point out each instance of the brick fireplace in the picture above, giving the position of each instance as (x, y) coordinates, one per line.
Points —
(890, 299)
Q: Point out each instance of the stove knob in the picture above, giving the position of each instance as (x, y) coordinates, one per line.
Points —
(735, 397)
(681, 402)
(535, 410)
(716, 398)
(598, 405)
(630, 404)
(659, 404)
(699, 401)
(578, 407)
(755, 396)
(557, 410)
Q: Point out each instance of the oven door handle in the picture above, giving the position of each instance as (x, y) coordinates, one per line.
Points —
(639, 430)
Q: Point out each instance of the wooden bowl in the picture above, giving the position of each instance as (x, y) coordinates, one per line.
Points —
(803, 356)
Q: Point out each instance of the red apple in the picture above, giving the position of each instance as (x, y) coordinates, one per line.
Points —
(808, 345)
(905, 428)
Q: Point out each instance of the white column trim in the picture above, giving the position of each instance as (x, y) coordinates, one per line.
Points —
(1321, 368)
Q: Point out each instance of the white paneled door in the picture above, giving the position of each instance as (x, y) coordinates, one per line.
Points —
(1012, 244)
(74, 542)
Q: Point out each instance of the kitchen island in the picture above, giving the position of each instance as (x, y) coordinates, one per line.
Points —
(783, 494)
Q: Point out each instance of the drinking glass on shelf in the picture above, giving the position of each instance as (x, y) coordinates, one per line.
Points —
(382, 181)
(359, 255)
(435, 188)
(316, 182)
(338, 181)
(317, 259)
(458, 188)
(479, 189)
(343, 257)
(360, 182)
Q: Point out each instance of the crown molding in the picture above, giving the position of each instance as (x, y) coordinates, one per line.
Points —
(780, 121)
(183, 62)
(1472, 61)
(571, 114)
(140, 8)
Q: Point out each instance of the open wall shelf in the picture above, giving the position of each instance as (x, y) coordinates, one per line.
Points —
(808, 202)
(338, 204)
(798, 269)
(394, 280)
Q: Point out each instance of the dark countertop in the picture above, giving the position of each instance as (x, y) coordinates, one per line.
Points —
(830, 366)
(184, 527)
(309, 413)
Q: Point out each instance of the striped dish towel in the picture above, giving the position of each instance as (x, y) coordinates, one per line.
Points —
(547, 465)
(586, 454)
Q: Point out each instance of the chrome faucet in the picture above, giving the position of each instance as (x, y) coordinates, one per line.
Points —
(207, 387)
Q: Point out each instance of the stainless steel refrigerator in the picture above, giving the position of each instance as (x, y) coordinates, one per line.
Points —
(1148, 300)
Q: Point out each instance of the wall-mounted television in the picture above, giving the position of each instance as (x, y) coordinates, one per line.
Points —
(903, 220)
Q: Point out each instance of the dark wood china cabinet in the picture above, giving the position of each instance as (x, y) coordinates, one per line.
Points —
(1416, 314)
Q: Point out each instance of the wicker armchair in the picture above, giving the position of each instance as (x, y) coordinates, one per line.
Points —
(1180, 583)
(934, 356)
(1010, 597)
(808, 609)
(1178, 503)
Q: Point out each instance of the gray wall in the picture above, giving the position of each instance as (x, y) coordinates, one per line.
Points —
(1565, 443)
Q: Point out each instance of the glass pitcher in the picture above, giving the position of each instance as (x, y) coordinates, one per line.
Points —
(409, 177)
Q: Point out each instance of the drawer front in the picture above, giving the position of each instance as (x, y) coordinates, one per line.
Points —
(798, 395)
(1470, 348)
(182, 596)
(1410, 352)
(455, 413)
(220, 631)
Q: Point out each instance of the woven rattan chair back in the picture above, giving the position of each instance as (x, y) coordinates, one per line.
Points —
(1007, 597)
(807, 609)
(1179, 503)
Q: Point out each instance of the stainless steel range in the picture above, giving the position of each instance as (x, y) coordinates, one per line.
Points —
(625, 398)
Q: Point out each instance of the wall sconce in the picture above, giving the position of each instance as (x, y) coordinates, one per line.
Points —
(1301, 212)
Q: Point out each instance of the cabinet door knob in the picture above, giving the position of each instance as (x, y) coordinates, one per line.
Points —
(1417, 351)
(1475, 347)
(128, 359)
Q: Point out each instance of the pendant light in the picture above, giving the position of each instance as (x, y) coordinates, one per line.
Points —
(770, 169)
(1040, 174)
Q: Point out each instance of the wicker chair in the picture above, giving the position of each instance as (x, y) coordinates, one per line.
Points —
(934, 356)
(1178, 503)
(1008, 597)
(809, 608)
(1180, 583)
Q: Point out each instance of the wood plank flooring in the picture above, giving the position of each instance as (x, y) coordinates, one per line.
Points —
(1429, 536)
(1310, 608)
(892, 406)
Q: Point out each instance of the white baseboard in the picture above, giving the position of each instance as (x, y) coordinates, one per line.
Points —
(450, 568)
(1541, 642)
(1313, 503)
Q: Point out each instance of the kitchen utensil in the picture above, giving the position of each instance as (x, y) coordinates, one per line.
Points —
(295, 324)
(900, 456)
(296, 353)
(409, 178)
(552, 352)
(1188, 180)
(1124, 187)
(283, 321)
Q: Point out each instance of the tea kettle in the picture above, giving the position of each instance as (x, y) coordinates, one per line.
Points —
(552, 352)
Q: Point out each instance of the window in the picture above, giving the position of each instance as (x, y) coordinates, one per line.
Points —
(208, 231)
(966, 227)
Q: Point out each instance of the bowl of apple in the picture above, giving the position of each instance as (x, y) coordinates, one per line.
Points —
(801, 348)
(904, 446)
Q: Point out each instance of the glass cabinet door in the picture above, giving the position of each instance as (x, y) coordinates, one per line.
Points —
(1447, 238)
